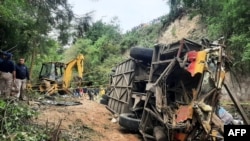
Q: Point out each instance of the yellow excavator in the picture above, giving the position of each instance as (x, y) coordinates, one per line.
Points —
(57, 77)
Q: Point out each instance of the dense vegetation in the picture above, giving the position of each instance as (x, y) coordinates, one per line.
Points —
(16, 124)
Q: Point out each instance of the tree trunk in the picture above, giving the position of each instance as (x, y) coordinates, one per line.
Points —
(33, 58)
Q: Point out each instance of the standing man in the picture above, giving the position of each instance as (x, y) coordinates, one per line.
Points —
(22, 76)
(8, 74)
(90, 93)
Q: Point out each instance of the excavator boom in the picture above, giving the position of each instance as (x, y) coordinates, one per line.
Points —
(69, 68)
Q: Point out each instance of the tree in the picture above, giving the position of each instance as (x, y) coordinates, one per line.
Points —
(99, 43)
(27, 24)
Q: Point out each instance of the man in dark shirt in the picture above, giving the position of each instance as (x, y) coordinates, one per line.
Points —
(90, 92)
(7, 77)
(22, 76)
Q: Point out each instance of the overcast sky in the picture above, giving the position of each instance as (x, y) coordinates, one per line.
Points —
(130, 13)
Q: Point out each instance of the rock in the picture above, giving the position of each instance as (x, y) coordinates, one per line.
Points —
(114, 120)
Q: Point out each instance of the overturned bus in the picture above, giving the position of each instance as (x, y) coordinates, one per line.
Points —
(172, 92)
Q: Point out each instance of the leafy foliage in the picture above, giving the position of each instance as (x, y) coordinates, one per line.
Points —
(16, 123)
(145, 35)
(100, 43)
(35, 30)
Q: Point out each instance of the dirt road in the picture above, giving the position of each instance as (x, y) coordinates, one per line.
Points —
(89, 121)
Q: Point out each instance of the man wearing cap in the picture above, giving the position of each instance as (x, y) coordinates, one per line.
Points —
(8, 74)
(22, 76)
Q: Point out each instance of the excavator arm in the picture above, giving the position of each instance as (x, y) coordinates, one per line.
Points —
(78, 62)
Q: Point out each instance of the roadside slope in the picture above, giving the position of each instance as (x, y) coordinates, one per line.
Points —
(183, 27)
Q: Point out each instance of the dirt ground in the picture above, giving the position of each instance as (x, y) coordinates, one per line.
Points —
(89, 121)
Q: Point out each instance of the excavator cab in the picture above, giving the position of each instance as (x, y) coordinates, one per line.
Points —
(51, 77)
(52, 71)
